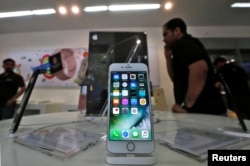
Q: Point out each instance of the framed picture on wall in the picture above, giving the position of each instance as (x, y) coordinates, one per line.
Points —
(71, 58)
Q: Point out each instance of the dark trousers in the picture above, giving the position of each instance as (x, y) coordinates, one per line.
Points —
(7, 112)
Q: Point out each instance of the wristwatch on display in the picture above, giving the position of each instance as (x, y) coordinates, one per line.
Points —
(68, 65)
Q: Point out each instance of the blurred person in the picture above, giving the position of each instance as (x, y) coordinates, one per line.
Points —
(237, 81)
(191, 71)
(11, 87)
(82, 82)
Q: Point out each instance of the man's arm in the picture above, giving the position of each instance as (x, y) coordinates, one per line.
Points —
(82, 72)
(18, 94)
(168, 56)
(196, 82)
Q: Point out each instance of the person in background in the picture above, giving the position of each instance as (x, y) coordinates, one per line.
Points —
(237, 82)
(11, 87)
(191, 71)
(82, 82)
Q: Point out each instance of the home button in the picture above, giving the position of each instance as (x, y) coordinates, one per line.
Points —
(130, 146)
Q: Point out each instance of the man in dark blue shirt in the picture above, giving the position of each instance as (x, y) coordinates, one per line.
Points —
(237, 81)
(11, 87)
(191, 71)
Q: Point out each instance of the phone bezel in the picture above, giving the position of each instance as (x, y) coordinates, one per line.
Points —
(141, 146)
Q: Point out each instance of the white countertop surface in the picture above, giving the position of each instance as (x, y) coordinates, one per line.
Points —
(14, 154)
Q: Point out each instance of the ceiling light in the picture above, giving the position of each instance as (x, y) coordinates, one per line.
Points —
(27, 13)
(95, 8)
(15, 14)
(43, 11)
(75, 9)
(240, 5)
(134, 7)
(232, 60)
(62, 10)
(168, 5)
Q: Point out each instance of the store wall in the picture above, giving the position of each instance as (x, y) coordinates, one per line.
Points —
(70, 39)
(79, 38)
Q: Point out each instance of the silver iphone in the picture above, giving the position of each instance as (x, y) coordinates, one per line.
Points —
(130, 128)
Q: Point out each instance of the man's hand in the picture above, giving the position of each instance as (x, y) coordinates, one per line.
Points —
(167, 52)
(168, 56)
(218, 85)
(10, 102)
(178, 109)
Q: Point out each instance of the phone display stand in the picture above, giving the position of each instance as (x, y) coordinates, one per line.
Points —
(234, 131)
(130, 159)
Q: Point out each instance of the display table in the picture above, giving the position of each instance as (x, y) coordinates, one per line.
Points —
(44, 106)
(14, 154)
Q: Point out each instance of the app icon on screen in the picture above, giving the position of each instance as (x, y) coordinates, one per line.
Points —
(133, 92)
(124, 92)
(142, 93)
(116, 110)
(141, 84)
(133, 101)
(125, 134)
(134, 110)
(125, 101)
(116, 76)
(124, 76)
(116, 102)
(143, 101)
(135, 134)
(124, 110)
(144, 134)
(116, 93)
(124, 84)
(115, 133)
(132, 84)
(116, 84)
(132, 76)
(141, 76)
